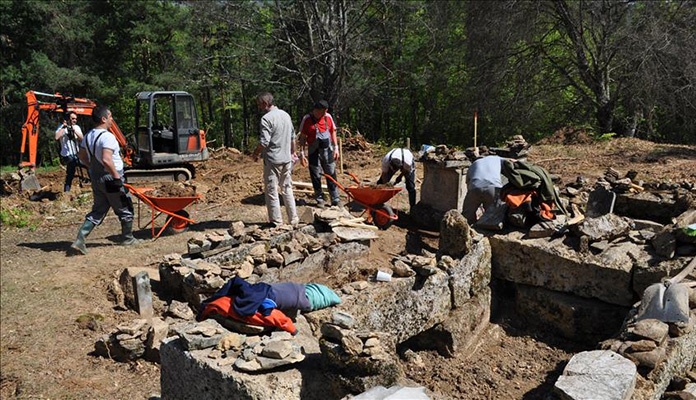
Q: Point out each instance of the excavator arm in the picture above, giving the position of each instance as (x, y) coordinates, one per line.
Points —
(57, 103)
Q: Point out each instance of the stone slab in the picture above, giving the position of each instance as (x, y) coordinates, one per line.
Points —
(472, 274)
(597, 375)
(553, 265)
(465, 325)
(143, 294)
(403, 307)
(658, 207)
(127, 282)
(443, 188)
(393, 393)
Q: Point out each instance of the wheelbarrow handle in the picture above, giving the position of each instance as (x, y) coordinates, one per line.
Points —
(355, 178)
(335, 181)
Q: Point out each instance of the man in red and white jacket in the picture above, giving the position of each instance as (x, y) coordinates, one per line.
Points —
(319, 143)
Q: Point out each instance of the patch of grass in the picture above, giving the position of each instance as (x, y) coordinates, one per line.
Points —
(605, 137)
(17, 218)
(39, 170)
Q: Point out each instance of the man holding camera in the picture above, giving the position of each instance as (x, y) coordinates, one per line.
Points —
(69, 135)
(101, 151)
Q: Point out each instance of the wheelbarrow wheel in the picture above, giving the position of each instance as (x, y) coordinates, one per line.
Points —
(178, 225)
(380, 220)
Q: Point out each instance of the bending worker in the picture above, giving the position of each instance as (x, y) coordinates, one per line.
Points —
(400, 160)
(483, 184)
(318, 138)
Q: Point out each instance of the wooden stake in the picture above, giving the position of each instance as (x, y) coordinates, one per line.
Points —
(475, 127)
(340, 154)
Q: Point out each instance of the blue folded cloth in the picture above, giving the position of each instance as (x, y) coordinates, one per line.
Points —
(267, 306)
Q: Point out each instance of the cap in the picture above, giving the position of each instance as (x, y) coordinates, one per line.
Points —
(322, 105)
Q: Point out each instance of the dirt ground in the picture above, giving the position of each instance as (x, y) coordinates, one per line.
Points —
(46, 348)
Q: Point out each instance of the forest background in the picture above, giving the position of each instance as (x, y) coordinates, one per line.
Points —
(390, 69)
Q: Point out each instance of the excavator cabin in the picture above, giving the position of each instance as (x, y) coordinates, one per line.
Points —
(167, 131)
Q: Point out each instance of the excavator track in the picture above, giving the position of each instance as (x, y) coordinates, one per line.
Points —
(158, 175)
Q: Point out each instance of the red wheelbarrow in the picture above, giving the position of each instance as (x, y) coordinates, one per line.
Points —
(177, 218)
(374, 199)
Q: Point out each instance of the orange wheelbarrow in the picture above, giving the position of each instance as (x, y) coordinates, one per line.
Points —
(177, 218)
(374, 199)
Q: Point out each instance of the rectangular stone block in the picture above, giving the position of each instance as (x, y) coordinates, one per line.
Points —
(403, 307)
(646, 205)
(576, 318)
(443, 188)
(551, 264)
(186, 375)
(467, 322)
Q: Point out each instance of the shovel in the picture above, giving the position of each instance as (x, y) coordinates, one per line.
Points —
(667, 301)
(28, 181)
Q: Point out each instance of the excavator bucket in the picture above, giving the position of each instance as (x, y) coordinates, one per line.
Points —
(28, 181)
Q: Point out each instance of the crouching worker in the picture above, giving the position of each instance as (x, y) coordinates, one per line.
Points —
(483, 184)
(402, 161)
(100, 151)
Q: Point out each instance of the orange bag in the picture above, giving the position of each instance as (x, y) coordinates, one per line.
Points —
(223, 306)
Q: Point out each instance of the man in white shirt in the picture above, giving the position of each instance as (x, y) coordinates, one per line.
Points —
(69, 135)
(402, 161)
(101, 151)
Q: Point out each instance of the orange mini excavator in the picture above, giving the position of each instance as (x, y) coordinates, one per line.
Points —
(166, 142)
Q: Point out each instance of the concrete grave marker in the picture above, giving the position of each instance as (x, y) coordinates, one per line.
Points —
(143, 294)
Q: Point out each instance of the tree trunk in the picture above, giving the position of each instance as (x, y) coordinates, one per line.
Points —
(605, 117)
(225, 120)
(633, 123)
(245, 117)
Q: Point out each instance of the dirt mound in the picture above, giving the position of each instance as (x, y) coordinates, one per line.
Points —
(568, 135)
(172, 189)
(355, 141)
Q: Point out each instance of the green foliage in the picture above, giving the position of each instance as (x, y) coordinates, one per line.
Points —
(17, 218)
(605, 137)
(390, 69)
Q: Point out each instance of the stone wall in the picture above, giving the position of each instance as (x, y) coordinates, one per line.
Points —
(446, 297)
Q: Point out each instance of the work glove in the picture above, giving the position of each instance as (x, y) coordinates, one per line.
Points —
(112, 184)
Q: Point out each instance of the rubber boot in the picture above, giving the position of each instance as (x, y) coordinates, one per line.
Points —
(127, 234)
(79, 243)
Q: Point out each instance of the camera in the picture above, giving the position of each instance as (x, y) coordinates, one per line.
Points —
(71, 132)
